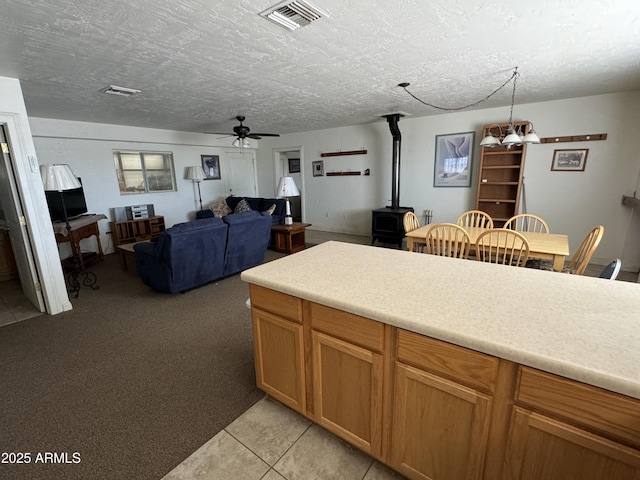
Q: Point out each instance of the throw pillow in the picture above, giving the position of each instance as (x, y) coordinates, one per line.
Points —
(220, 209)
(243, 206)
(270, 209)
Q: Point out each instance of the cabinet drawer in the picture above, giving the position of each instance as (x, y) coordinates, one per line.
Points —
(464, 365)
(615, 415)
(281, 304)
(347, 326)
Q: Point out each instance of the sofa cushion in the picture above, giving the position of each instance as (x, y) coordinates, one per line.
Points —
(242, 206)
(220, 208)
(200, 214)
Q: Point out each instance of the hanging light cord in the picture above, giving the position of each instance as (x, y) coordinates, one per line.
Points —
(513, 77)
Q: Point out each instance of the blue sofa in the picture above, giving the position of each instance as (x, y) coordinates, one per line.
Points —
(192, 254)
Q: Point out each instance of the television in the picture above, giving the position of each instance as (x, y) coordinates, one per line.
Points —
(74, 203)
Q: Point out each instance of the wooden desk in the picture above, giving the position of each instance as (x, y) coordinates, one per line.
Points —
(81, 228)
(549, 246)
(289, 238)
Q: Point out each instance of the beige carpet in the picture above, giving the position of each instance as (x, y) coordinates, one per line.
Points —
(132, 380)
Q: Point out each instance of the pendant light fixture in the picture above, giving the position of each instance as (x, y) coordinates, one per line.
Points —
(514, 135)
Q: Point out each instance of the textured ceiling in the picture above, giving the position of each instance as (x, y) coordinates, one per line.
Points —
(199, 63)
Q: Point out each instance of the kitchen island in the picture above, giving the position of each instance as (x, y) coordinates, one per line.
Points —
(447, 368)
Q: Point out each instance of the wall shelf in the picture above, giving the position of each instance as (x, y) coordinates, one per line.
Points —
(575, 138)
(340, 154)
(342, 174)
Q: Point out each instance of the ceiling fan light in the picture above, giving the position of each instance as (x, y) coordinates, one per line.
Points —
(490, 141)
(236, 142)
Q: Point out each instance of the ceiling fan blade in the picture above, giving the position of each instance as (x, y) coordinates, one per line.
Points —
(267, 134)
(221, 133)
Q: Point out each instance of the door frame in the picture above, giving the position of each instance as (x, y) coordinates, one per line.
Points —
(279, 169)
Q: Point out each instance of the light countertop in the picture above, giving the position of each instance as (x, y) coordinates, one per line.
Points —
(583, 328)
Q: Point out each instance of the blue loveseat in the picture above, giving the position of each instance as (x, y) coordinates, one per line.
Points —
(192, 254)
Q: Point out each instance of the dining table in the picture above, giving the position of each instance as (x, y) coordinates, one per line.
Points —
(547, 246)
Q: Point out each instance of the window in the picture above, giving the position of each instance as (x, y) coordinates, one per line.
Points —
(142, 172)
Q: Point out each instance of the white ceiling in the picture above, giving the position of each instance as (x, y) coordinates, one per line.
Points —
(199, 63)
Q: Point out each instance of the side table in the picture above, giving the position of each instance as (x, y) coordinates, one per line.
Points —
(289, 238)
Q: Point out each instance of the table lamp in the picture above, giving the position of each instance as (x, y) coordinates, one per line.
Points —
(60, 178)
(287, 188)
(196, 175)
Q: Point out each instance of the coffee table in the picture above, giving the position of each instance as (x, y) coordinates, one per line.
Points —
(125, 250)
(289, 238)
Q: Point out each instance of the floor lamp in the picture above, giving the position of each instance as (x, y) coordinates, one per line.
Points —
(60, 178)
(196, 174)
(287, 188)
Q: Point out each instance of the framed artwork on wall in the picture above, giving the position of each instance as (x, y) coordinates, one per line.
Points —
(569, 160)
(294, 165)
(318, 168)
(454, 159)
(211, 167)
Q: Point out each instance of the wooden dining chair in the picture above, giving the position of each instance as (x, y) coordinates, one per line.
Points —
(505, 247)
(526, 222)
(475, 218)
(580, 259)
(410, 222)
(448, 240)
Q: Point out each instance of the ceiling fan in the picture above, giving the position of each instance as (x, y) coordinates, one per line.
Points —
(243, 132)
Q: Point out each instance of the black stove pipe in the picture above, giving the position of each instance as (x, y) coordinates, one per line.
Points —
(393, 119)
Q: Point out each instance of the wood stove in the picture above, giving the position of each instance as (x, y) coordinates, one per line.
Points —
(386, 223)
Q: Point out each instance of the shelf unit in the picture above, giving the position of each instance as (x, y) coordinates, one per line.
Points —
(130, 231)
(500, 179)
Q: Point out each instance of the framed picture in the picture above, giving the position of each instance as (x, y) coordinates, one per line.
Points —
(318, 168)
(294, 165)
(211, 167)
(454, 159)
(569, 160)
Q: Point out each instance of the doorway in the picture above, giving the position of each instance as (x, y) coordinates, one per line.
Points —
(289, 161)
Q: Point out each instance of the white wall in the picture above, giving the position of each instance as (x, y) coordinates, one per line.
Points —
(571, 202)
(88, 149)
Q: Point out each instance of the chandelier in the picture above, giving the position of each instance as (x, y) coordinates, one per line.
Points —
(514, 135)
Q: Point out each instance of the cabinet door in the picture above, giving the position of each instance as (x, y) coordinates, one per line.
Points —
(439, 427)
(541, 448)
(279, 359)
(347, 387)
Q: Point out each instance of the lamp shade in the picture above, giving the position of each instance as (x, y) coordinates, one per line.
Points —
(490, 141)
(58, 178)
(287, 188)
(195, 173)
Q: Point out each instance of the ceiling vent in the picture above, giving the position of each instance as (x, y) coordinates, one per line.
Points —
(123, 91)
(292, 14)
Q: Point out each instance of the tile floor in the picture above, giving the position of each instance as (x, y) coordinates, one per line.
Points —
(14, 306)
(272, 442)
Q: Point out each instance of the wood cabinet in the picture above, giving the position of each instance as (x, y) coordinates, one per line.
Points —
(130, 231)
(433, 410)
(278, 344)
(442, 401)
(500, 178)
(565, 429)
(347, 376)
